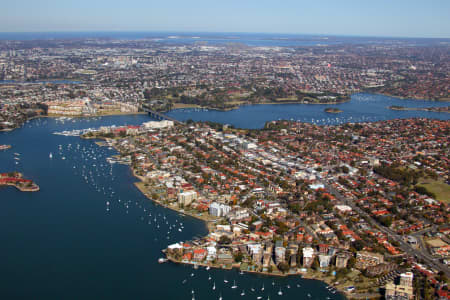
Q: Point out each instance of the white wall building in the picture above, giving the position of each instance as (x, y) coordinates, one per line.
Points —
(219, 209)
(324, 260)
(186, 198)
(158, 124)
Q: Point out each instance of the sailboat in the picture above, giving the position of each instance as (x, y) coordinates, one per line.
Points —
(234, 284)
(50, 155)
(280, 292)
(220, 297)
(262, 289)
(214, 285)
(243, 293)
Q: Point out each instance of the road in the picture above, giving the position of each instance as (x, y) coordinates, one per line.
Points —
(405, 247)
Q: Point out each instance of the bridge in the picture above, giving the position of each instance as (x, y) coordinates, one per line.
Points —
(159, 116)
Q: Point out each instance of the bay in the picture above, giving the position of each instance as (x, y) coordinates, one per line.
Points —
(66, 242)
(362, 107)
(90, 234)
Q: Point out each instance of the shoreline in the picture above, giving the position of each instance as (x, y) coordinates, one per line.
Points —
(158, 202)
(329, 280)
(303, 275)
(15, 181)
(94, 116)
(208, 223)
(404, 97)
(428, 109)
(21, 189)
(77, 116)
(237, 106)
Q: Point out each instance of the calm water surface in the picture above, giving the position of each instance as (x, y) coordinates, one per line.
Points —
(67, 242)
(90, 234)
(361, 108)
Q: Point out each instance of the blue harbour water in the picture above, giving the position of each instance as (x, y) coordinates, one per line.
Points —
(221, 38)
(361, 108)
(90, 234)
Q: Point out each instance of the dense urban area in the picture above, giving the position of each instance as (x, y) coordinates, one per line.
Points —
(103, 76)
(356, 205)
(362, 207)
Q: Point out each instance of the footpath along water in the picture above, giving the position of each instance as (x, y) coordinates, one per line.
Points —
(90, 234)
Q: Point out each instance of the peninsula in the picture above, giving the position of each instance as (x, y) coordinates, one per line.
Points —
(300, 199)
(16, 179)
(445, 109)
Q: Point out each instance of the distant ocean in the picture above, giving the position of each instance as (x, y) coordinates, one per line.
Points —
(250, 39)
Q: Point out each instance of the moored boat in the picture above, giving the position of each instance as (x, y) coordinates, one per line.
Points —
(5, 147)
(162, 260)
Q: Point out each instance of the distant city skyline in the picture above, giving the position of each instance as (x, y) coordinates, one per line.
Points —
(383, 18)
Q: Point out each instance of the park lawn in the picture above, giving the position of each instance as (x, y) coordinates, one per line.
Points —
(439, 188)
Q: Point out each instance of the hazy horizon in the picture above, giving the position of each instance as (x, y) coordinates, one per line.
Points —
(383, 18)
(191, 32)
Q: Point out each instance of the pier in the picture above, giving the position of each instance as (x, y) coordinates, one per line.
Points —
(159, 116)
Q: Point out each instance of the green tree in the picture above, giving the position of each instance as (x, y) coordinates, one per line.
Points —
(224, 240)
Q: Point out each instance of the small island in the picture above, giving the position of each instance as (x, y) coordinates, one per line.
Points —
(16, 179)
(332, 110)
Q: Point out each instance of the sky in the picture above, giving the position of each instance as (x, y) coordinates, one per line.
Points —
(396, 18)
